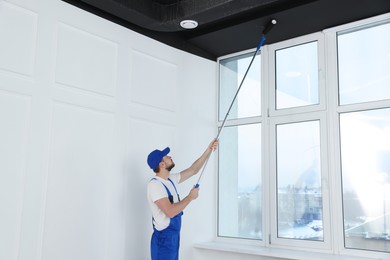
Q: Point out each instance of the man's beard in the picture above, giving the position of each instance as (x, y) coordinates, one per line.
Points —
(171, 167)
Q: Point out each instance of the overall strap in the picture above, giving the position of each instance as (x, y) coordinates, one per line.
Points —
(166, 188)
(170, 196)
(175, 188)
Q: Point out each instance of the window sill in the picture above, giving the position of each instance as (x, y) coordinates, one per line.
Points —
(273, 252)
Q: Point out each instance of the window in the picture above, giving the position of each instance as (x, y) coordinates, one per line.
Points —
(297, 76)
(298, 173)
(240, 180)
(364, 71)
(364, 86)
(297, 127)
(365, 157)
(232, 71)
(303, 148)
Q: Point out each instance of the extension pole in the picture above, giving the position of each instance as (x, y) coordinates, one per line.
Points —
(265, 31)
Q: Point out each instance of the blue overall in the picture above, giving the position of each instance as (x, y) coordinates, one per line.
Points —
(165, 243)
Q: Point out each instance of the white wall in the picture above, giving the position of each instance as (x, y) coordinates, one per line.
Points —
(82, 103)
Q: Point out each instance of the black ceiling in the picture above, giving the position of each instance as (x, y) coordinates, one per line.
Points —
(229, 26)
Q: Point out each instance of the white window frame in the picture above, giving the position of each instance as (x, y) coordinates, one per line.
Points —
(334, 111)
(327, 111)
(326, 244)
(316, 37)
(239, 122)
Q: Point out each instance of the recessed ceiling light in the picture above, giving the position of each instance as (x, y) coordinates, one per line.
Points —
(189, 24)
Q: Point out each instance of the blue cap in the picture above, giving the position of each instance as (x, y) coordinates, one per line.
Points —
(155, 157)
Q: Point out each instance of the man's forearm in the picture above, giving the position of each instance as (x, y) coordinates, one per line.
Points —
(178, 207)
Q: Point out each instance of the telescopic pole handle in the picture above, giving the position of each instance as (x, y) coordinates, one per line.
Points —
(267, 28)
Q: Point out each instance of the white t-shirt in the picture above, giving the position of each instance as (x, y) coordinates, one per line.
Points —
(157, 191)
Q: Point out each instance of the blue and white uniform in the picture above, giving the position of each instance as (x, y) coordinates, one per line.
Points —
(165, 240)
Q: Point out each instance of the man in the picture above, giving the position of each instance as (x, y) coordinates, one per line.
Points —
(165, 203)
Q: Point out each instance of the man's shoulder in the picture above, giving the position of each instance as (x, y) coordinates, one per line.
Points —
(153, 182)
(175, 177)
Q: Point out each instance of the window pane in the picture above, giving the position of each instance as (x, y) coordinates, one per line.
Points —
(240, 182)
(299, 181)
(232, 71)
(297, 76)
(365, 154)
(364, 65)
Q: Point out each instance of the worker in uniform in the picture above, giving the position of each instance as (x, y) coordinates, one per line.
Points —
(165, 203)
